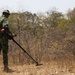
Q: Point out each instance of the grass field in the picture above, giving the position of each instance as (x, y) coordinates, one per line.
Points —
(52, 68)
(58, 63)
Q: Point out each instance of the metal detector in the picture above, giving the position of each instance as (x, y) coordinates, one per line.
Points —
(37, 64)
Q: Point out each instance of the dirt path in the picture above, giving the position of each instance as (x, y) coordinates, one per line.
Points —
(45, 69)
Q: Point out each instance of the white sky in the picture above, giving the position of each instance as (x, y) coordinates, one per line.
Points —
(35, 6)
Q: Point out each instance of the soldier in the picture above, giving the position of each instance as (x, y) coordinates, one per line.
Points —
(4, 26)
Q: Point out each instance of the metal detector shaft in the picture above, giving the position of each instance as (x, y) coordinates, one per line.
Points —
(26, 52)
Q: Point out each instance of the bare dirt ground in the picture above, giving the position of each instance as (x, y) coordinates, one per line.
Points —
(53, 68)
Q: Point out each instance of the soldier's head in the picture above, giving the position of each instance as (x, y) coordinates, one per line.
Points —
(6, 13)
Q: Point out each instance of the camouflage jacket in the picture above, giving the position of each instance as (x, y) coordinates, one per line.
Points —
(3, 22)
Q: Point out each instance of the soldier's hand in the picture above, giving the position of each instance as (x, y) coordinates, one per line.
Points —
(14, 35)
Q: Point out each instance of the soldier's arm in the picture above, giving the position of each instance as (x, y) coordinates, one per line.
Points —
(6, 26)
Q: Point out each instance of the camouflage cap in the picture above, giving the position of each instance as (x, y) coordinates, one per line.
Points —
(6, 11)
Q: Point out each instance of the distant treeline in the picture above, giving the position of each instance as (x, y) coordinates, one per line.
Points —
(42, 34)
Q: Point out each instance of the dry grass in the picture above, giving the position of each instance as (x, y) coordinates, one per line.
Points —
(51, 68)
(56, 62)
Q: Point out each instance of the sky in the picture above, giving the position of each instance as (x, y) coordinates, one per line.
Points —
(36, 6)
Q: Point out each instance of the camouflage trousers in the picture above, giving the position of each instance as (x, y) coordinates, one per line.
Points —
(4, 49)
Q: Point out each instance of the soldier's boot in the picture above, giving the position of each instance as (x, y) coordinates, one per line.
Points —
(0, 52)
(6, 69)
(0, 49)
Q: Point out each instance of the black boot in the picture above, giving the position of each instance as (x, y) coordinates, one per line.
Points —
(0, 52)
(6, 69)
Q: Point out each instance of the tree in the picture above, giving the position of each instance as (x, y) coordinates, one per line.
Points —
(53, 18)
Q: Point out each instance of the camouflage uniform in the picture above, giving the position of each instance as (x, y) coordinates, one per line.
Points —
(4, 40)
(4, 30)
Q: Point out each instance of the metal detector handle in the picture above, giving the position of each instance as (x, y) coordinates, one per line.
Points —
(26, 52)
(11, 38)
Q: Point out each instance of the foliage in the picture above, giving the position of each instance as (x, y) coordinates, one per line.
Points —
(43, 34)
